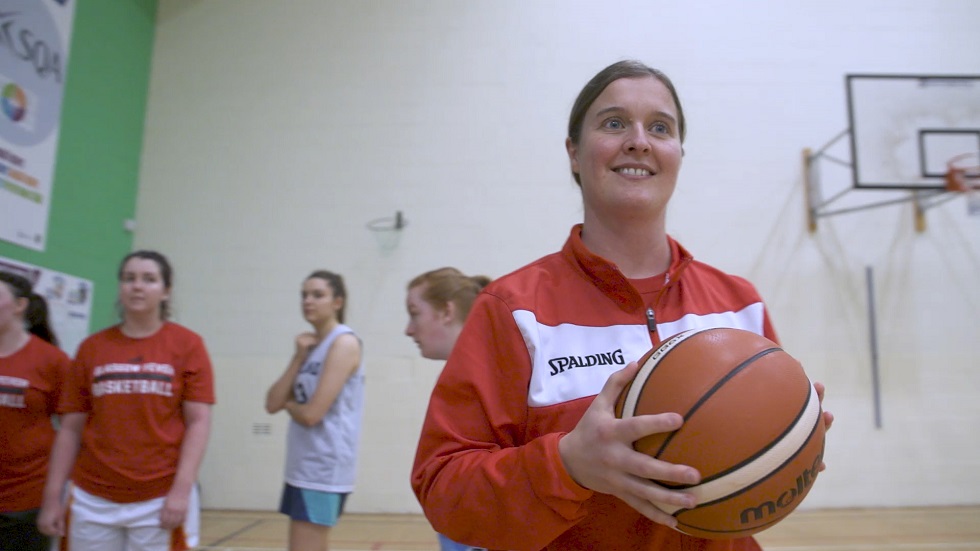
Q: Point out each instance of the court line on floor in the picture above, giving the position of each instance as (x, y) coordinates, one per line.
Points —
(232, 535)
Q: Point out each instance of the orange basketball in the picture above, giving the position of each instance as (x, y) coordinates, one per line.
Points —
(753, 427)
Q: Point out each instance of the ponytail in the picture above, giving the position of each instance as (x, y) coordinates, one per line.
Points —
(36, 315)
(37, 318)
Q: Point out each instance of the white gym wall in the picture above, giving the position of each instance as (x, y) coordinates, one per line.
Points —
(277, 130)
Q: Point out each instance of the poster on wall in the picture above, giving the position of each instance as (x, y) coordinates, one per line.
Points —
(34, 41)
(69, 301)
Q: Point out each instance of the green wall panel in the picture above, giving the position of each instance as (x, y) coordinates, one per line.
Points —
(96, 177)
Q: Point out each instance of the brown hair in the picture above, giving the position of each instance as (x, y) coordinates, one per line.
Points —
(446, 285)
(36, 314)
(621, 69)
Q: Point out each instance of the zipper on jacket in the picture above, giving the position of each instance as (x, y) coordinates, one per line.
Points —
(651, 317)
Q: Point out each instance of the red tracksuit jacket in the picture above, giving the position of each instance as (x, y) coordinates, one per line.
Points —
(537, 347)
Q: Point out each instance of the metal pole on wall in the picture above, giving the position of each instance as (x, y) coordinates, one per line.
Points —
(873, 334)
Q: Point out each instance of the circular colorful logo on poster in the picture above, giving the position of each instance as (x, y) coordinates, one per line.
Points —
(13, 102)
(32, 76)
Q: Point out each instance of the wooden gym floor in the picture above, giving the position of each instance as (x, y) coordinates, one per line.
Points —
(913, 529)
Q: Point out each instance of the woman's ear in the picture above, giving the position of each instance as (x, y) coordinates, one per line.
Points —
(572, 151)
(449, 313)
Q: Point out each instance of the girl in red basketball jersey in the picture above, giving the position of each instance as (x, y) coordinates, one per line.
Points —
(521, 448)
(32, 369)
(136, 414)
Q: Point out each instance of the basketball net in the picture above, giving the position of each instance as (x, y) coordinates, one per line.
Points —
(963, 176)
(388, 231)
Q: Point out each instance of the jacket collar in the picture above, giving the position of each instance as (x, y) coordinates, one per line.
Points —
(606, 276)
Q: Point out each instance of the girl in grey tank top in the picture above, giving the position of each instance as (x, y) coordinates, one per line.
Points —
(322, 390)
(323, 456)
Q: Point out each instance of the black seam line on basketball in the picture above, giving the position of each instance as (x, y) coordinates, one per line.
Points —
(733, 468)
(662, 350)
(712, 390)
(756, 527)
(763, 479)
(757, 482)
(777, 440)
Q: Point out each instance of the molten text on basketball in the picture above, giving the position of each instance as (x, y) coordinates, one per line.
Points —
(785, 499)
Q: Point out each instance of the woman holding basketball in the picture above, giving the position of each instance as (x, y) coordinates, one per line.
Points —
(438, 302)
(135, 421)
(322, 390)
(521, 448)
(32, 370)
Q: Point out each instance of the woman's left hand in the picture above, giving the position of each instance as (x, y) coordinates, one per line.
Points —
(828, 418)
(174, 509)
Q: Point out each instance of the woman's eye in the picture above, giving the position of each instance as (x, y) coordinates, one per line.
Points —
(660, 128)
(614, 124)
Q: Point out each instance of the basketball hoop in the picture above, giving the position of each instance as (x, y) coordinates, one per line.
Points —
(387, 231)
(963, 176)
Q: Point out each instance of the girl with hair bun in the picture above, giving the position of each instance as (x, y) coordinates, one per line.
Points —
(438, 302)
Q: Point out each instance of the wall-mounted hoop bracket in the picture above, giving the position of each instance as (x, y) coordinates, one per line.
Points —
(817, 206)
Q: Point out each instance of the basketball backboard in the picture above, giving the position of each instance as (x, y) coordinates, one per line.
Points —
(905, 128)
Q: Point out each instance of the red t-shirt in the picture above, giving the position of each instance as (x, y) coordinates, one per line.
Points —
(30, 382)
(133, 391)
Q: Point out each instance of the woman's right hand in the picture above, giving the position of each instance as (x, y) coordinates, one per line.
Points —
(304, 343)
(598, 454)
(51, 518)
(281, 391)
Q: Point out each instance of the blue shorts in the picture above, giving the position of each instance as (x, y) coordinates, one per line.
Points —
(323, 508)
(446, 544)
